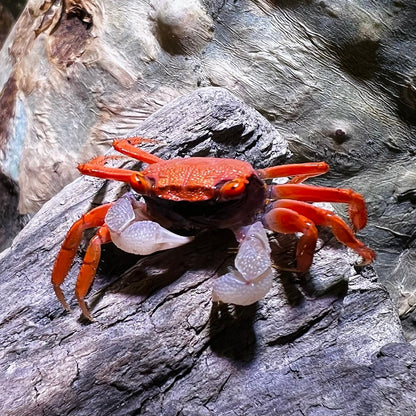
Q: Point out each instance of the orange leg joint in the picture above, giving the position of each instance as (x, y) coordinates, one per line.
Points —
(287, 221)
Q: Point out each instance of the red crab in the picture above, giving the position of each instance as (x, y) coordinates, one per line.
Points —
(185, 195)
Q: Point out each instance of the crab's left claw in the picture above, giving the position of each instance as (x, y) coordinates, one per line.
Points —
(253, 276)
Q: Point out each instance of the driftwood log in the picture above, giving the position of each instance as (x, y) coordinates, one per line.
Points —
(338, 78)
(328, 344)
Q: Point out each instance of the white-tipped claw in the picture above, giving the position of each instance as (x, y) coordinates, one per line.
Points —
(253, 257)
(253, 276)
(120, 215)
(231, 288)
(146, 237)
(132, 234)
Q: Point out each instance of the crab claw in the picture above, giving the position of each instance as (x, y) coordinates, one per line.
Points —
(133, 234)
(232, 288)
(253, 276)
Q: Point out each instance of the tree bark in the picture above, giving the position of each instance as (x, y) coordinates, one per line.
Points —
(328, 344)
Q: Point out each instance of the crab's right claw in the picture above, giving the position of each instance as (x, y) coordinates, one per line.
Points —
(253, 276)
(131, 231)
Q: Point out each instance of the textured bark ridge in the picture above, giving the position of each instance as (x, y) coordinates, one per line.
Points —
(338, 77)
(327, 345)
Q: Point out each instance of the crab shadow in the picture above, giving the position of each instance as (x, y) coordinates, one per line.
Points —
(231, 328)
(231, 332)
(142, 276)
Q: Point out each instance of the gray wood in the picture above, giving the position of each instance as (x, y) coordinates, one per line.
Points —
(329, 345)
(336, 78)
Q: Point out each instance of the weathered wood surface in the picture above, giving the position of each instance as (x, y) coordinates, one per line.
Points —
(158, 346)
(338, 78)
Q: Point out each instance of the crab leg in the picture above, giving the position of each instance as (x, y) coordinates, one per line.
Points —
(288, 221)
(326, 218)
(96, 167)
(356, 206)
(89, 267)
(127, 147)
(66, 255)
(299, 171)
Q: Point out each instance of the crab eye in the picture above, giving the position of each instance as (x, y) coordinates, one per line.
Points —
(140, 183)
(232, 189)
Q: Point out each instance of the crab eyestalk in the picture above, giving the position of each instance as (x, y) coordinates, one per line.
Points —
(233, 188)
(140, 183)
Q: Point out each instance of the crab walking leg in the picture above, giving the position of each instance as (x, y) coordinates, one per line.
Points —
(89, 267)
(326, 218)
(308, 193)
(66, 255)
(96, 167)
(128, 148)
(288, 221)
(252, 277)
(299, 171)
